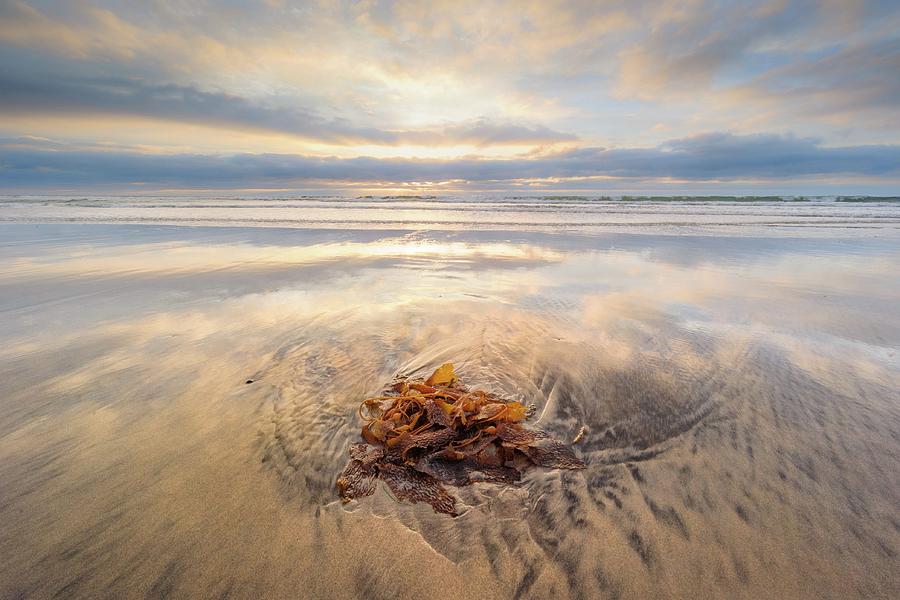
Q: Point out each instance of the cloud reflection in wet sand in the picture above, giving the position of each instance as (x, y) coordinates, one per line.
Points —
(741, 406)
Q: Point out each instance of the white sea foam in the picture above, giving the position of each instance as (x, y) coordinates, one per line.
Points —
(700, 214)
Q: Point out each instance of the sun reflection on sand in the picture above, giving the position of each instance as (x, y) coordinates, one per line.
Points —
(718, 423)
(167, 258)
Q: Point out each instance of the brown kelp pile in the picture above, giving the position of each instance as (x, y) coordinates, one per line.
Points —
(421, 435)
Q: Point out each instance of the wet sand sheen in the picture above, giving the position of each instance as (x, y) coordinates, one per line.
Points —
(739, 394)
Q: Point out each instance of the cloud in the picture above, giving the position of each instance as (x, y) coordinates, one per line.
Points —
(101, 32)
(708, 157)
(482, 132)
(691, 52)
(813, 62)
(859, 82)
(429, 77)
(321, 71)
(119, 96)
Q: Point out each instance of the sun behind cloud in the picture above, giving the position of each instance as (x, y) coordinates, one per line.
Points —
(484, 93)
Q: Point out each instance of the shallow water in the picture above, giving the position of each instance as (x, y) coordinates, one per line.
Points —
(739, 390)
(760, 217)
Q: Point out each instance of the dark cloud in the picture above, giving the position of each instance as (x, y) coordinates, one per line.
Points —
(105, 96)
(687, 53)
(718, 156)
(862, 80)
(803, 59)
(119, 96)
(483, 132)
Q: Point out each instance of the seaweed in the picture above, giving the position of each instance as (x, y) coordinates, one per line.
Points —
(423, 434)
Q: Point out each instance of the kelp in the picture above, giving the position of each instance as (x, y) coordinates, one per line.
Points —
(423, 434)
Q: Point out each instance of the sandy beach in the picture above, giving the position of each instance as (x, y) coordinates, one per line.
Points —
(739, 390)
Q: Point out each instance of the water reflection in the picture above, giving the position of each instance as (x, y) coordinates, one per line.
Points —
(740, 399)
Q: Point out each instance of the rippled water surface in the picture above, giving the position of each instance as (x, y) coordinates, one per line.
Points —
(761, 216)
(739, 385)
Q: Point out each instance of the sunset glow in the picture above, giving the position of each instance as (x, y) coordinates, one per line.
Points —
(681, 96)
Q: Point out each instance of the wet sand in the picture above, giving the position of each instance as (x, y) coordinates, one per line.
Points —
(740, 394)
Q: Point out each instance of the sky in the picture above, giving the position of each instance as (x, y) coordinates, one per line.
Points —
(601, 96)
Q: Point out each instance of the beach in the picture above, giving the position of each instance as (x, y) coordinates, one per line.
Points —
(180, 389)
